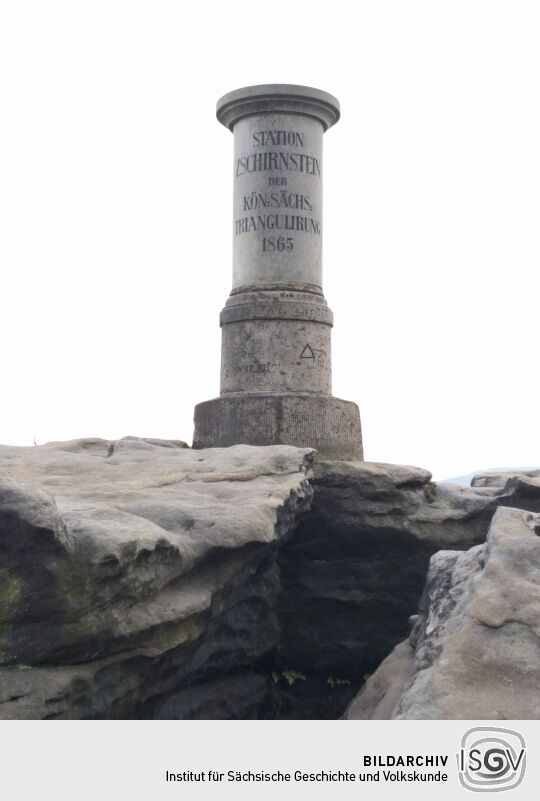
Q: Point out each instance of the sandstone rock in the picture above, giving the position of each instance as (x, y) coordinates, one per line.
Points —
(524, 483)
(381, 692)
(133, 572)
(355, 569)
(474, 652)
(131, 569)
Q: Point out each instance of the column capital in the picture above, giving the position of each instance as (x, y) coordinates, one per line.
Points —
(277, 98)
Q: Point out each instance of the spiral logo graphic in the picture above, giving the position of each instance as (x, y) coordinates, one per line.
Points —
(491, 759)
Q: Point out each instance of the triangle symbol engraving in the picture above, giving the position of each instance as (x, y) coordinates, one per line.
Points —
(307, 353)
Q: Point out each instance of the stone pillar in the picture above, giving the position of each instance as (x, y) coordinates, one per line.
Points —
(276, 325)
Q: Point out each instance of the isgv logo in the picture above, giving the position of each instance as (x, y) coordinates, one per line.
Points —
(491, 759)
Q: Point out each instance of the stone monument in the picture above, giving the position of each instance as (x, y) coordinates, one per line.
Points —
(276, 325)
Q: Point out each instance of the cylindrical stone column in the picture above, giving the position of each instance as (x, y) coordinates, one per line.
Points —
(276, 326)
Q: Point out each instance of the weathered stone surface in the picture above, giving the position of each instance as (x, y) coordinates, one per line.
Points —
(355, 569)
(525, 482)
(381, 692)
(132, 569)
(331, 425)
(474, 651)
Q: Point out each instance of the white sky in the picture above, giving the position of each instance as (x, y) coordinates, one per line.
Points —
(116, 211)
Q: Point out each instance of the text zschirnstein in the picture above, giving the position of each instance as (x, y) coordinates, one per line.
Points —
(270, 162)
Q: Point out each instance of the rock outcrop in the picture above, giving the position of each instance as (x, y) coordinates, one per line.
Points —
(525, 483)
(131, 570)
(354, 571)
(140, 578)
(474, 650)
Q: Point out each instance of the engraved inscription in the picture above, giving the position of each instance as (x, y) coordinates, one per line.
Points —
(280, 222)
(257, 368)
(269, 161)
(283, 210)
(265, 138)
(276, 200)
(271, 355)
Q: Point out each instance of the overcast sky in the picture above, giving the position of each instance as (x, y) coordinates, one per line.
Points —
(116, 215)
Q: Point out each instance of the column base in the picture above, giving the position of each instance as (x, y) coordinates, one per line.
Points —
(328, 424)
